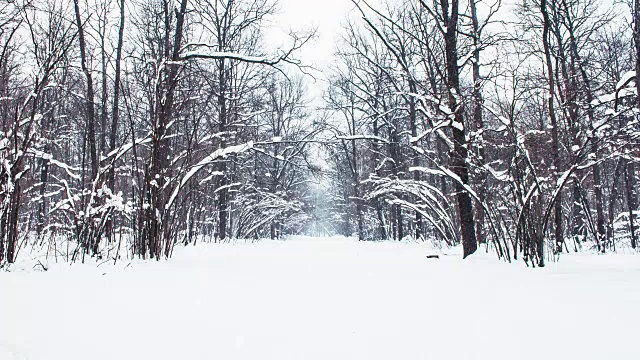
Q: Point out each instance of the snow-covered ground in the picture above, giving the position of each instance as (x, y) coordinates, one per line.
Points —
(329, 299)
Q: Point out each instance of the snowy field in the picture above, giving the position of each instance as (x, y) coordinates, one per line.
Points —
(328, 299)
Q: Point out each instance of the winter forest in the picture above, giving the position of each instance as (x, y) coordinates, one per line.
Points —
(202, 179)
(134, 126)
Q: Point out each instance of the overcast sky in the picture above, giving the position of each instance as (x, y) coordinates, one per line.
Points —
(326, 15)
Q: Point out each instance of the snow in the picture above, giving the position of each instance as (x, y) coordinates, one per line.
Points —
(70, 170)
(625, 79)
(218, 154)
(322, 298)
(457, 125)
(203, 54)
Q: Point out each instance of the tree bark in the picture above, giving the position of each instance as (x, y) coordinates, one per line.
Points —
(223, 215)
(155, 231)
(478, 120)
(631, 201)
(116, 108)
(115, 116)
(554, 124)
(631, 196)
(613, 196)
(90, 110)
(460, 153)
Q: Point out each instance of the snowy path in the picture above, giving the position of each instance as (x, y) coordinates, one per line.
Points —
(323, 299)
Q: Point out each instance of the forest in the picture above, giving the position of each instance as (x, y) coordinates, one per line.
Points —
(131, 127)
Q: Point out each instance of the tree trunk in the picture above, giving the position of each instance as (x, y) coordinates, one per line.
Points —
(378, 204)
(222, 196)
(459, 157)
(104, 98)
(554, 125)
(90, 110)
(478, 121)
(356, 181)
(613, 196)
(597, 180)
(399, 222)
(578, 220)
(631, 201)
(44, 176)
(116, 109)
(13, 226)
(155, 231)
(415, 160)
(636, 37)
(631, 196)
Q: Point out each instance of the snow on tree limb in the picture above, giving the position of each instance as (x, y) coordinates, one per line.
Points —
(216, 155)
(216, 55)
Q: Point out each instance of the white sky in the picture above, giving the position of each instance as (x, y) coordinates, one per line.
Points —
(326, 15)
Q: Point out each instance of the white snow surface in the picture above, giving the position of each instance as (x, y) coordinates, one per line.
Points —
(323, 298)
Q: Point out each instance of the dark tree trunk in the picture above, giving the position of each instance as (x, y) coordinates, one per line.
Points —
(356, 182)
(459, 157)
(631, 201)
(115, 116)
(154, 230)
(636, 37)
(90, 108)
(378, 204)
(597, 180)
(223, 214)
(478, 121)
(613, 197)
(44, 175)
(12, 231)
(415, 161)
(631, 196)
(578, 225)
(554, 124)
(104, 98)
